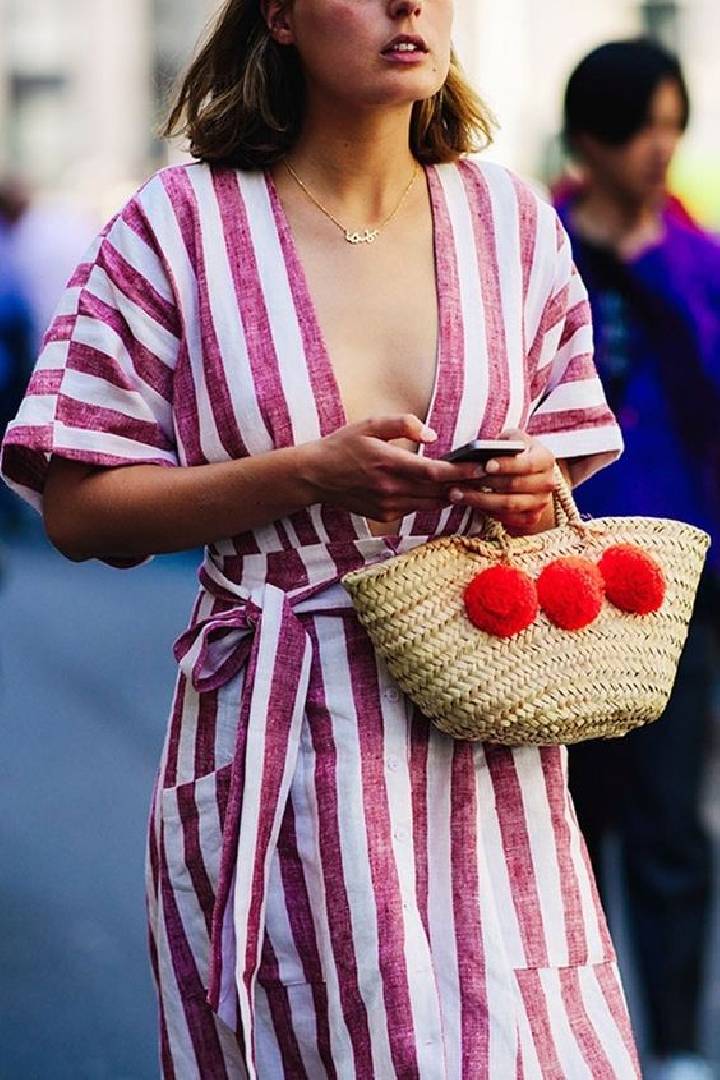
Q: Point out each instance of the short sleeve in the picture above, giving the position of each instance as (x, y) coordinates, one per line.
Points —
(102, 390)
(569, 412)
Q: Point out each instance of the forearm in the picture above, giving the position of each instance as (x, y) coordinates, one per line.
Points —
(138, 510)
(141, 510)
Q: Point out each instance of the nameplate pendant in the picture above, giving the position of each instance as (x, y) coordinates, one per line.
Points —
(367, 237)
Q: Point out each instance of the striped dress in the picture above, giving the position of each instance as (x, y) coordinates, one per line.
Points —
(335, 889)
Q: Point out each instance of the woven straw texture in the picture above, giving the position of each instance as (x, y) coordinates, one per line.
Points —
(545, 685)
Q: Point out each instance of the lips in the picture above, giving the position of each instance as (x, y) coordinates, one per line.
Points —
(405, 43)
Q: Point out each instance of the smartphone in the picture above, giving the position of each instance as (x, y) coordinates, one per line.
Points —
(482, 450)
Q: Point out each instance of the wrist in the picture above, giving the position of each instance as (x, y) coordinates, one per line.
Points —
(309, 471)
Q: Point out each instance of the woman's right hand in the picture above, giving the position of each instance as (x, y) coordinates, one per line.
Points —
(359, 469)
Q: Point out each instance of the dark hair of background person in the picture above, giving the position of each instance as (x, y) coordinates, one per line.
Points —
(241, 102)
(14, 199)
(610, 92)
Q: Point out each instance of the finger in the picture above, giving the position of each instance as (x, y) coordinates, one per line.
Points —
(411, 491)
(403, 507)
(524, 484)
(516, 435)
(500, 504)
(535, 458)
(511, 435)
(414, 469)
(405, 426)
(421, 470)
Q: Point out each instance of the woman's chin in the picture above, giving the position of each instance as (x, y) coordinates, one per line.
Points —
(403, 88)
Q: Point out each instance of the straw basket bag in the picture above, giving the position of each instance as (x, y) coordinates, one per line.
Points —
(533, 678)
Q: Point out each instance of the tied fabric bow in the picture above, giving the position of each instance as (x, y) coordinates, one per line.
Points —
(215, 649)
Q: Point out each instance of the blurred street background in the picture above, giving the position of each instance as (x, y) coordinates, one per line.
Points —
(83, 84)
(85, 663)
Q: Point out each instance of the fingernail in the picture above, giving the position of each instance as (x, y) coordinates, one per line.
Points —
(492, 467)
(428, 433)
(455, 495)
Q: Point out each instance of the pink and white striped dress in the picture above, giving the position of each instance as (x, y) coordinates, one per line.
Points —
(336, 889)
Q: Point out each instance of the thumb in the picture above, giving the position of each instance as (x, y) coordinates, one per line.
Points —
(516, 433)
(406, 426)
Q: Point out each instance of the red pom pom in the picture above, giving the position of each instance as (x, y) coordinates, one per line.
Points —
(501, 601)
(571, 592)
(634, 582)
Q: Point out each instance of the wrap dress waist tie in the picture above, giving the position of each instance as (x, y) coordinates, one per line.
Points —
(263, 633)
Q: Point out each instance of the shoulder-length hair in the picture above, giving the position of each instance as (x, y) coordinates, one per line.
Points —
(241, 101)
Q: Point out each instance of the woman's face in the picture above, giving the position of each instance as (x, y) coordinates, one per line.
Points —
(368, 53)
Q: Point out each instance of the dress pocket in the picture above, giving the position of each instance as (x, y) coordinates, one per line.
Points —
(574, 1023)
(546, 903)
(193, 816)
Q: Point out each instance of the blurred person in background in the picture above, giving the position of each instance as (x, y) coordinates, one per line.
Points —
(16, 347)
(46, 237)
(653, 277)
(267, 352)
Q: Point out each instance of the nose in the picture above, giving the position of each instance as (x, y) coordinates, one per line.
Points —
(399, 9)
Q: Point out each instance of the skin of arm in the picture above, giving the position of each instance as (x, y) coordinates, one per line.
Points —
(137, 510)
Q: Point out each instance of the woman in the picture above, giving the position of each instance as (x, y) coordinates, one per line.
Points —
(334, 887)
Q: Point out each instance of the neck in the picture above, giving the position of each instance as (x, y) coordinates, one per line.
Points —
(610, 217)
(361, 161)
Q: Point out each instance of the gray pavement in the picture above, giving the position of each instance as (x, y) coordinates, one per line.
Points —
(86, 674)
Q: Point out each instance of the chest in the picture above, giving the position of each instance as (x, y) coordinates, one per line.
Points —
(293, 332)
(377, 311)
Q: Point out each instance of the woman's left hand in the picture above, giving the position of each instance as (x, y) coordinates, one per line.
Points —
(517, 490)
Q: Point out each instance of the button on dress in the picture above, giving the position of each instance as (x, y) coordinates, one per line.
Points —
(336, 889)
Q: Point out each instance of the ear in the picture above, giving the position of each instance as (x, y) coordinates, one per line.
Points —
(589, 150)
(276, 14)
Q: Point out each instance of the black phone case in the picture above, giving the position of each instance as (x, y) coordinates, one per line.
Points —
(479, 455)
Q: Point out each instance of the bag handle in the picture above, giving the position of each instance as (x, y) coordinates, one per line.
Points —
(566, 512)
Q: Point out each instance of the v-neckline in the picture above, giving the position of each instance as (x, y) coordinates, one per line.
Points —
(332, 407)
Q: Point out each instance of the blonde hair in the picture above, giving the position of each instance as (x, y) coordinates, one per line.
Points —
(241, 101)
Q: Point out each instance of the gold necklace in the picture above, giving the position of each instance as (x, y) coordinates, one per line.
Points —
(367, 236)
